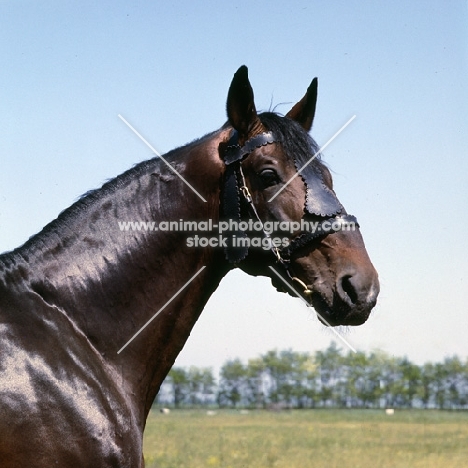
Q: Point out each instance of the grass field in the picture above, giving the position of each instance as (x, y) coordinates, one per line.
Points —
(308, 438)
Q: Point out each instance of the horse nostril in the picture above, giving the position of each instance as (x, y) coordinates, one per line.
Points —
(349, 289)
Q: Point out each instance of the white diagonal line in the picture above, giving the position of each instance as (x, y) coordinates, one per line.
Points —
(157, 154)
(161, 309)
(308, 305)
(312, 158)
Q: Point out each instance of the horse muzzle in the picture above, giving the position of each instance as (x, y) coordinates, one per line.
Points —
(350, 302)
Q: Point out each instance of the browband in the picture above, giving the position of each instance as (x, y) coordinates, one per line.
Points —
(235, 153)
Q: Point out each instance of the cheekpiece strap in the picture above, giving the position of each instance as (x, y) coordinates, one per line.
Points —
(231, 208)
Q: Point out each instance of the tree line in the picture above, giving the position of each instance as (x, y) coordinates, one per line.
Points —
(325, 379)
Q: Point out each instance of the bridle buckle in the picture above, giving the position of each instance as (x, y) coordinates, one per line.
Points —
(245, 191)
(277, 253)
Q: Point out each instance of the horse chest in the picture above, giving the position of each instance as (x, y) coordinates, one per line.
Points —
(59, 405)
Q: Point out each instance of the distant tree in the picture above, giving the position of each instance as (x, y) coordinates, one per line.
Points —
(455, 383)
(330, 375)
(304, 380)
(411, 380)
(271, 375)
(255, 391)
(463, 385)
(377, 362)
(208, 387)
(289, 375)
(391, 383)
(426, 384)
(439, 385)
(201, 384)
(360, 384)
(310, 394)
(277, 367)
(178, 381)
(233, 383)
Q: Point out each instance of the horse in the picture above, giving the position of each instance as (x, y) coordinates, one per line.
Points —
(74, 391)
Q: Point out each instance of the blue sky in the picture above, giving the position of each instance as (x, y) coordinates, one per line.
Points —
(69, 68)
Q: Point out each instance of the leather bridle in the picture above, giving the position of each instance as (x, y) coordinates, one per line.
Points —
(236, 194)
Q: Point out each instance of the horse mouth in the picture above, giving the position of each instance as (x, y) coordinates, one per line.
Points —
(334, 313)
(339, 313)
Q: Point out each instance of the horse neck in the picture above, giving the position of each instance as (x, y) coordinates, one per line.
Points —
(109, 282)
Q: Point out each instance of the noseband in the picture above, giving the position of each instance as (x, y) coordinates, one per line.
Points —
(236, 194)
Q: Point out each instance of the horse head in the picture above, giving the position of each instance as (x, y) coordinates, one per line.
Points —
(305, 238)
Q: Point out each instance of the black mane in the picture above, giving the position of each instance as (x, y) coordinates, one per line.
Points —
(69, 214)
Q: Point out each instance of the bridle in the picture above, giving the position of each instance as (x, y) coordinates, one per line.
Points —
(236, 194)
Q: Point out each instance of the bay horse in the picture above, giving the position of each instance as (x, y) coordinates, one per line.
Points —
(71, 394)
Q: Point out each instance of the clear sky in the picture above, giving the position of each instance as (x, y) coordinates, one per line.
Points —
(69, 68)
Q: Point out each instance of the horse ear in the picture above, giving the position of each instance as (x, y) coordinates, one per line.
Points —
(240, 103)
(304, 111)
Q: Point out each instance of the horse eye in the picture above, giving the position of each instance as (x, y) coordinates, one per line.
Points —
(269, 177)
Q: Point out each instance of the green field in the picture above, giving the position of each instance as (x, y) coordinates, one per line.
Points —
(307, 438)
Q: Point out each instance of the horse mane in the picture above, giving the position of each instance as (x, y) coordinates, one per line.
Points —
(86, 200)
